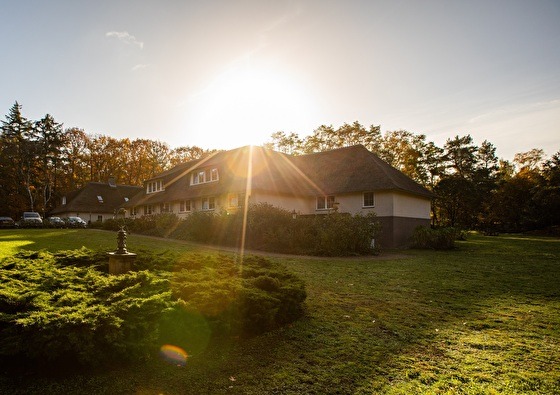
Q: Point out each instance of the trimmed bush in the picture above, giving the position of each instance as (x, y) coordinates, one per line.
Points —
(63, 308)
(245, 300)
(436, 239)
(274, 229)
(54, 312)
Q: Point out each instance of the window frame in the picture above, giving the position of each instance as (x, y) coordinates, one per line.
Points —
(204, 176)
(154, 186)
(208, 203)
(364, 205)
(236, 200)
(185, 206)
(326, 202)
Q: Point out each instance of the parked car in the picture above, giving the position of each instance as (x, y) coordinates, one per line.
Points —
(75, 222)
(31, 219)
(55, 222)
(7, 222)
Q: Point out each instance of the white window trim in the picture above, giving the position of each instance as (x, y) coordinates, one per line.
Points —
(204, 176)
(183, 203)
(364, 200)
(236, 197)
(207, 201)
(154, 186)
(325, 200)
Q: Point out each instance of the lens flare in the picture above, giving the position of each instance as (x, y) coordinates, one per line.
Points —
(173, 354)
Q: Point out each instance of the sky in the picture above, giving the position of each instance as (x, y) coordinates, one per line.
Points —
(223, 74)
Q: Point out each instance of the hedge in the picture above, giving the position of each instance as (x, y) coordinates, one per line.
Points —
(268, 228)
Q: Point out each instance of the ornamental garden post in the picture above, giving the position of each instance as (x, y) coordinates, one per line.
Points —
(121, 261)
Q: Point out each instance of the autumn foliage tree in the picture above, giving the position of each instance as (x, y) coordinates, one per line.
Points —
(41, 161)
(473, 188)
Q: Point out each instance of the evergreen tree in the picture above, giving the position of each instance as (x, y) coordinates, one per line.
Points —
(18, 161)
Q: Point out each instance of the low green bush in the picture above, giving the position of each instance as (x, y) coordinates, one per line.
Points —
(52, 311)
(65, 307)
(245, 299)
(436, 239)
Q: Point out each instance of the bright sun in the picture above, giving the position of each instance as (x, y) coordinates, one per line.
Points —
(245, 106)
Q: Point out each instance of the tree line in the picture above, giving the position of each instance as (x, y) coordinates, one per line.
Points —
(473, 188)
(40, 161)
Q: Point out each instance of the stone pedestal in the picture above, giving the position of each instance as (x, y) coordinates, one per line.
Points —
(121, 263)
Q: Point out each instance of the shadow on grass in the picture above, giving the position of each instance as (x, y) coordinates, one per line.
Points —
(480, 319)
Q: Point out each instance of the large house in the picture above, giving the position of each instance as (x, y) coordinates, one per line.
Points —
(96, 201)
(351, 180)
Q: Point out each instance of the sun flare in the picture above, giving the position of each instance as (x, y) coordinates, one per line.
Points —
(245, 106)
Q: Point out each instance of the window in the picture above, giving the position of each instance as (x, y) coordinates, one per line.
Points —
(184, 206)
(369, 199)
(165, 208)
(148, 209)
(236, 199)
(208, 203)
(100, 199)
(133, 211)
(204, 176)
(325, 202)
(99, 218)
(154, 186)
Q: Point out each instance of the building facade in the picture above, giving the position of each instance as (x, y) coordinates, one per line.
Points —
(350, 180)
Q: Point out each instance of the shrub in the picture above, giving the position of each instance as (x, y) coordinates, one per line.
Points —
(249, 299)
(436, 239)
(274, 229)
(61, 307)
(51, 312)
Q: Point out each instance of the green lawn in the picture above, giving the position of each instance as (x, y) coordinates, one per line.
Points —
(482, 319)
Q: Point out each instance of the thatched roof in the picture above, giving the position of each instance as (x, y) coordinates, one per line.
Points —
(85, 200)
(355, 169)
(344, 170)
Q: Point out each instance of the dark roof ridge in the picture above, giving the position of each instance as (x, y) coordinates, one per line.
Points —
(348, 147)
(106, 183)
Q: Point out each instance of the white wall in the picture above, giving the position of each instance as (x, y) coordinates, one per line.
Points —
(411, 206)
(290, 203)
(387, 204)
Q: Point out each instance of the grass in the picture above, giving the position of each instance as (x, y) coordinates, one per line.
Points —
(482, 319)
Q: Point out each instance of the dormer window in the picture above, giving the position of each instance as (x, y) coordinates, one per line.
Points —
(100, 199)
(204, 176)
(154, 186)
